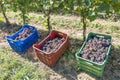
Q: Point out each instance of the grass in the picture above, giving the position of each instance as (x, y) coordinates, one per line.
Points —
(13, 68)
(61, 20)
(69, 21)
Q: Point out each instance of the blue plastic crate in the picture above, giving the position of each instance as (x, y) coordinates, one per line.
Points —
(20, 46)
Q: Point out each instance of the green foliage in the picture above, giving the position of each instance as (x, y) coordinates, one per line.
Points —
(111, 7)
(87, 9)
(69, 55)
(24, 6)
(47, 7)
(3, 6)
(1, 18)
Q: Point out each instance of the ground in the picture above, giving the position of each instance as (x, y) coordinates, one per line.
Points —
(66, 68)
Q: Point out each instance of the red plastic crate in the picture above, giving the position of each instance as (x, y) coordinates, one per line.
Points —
(52, 57)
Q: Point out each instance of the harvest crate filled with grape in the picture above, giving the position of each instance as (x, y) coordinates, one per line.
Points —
(52, 47)
(23, 39)
(94, 53)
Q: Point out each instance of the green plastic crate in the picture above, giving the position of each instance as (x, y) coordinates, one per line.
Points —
(90, 66)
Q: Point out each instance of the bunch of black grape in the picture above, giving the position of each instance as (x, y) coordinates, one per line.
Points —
(25, 33)
(95, 49)
(52, 44)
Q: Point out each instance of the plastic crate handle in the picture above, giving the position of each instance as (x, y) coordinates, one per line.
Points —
(88, 63)
(25, 26)
(100, 36)
(12, 41)
(60, 33)
(9, 39)
(36, 49)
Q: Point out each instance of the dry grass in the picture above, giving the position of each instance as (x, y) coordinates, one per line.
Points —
(65, 68)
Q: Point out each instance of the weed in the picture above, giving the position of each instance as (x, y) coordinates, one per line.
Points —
(14, 69)
(114, 29)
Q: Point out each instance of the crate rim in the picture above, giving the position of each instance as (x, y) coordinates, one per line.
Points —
(98, 34)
